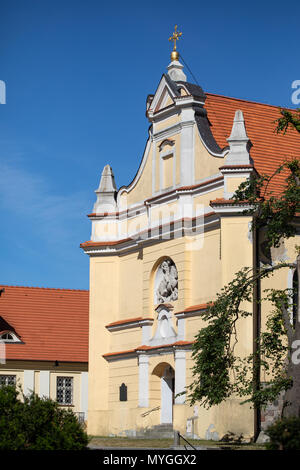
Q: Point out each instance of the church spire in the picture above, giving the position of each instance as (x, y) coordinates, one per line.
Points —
(175, 68)
(239, 142)
(106, 192)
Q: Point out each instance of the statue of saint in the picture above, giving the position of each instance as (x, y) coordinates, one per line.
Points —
(168, 287)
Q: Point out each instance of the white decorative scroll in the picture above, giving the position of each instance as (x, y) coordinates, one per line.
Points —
(166, 282)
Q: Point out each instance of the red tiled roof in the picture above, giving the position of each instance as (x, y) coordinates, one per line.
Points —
(269, 149)
(51, 323)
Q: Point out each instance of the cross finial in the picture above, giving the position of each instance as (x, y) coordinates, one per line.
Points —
(175, 37)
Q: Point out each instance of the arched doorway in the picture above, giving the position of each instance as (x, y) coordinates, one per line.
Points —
(166, 374)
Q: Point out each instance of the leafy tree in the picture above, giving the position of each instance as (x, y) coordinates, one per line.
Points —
(284, 434)
(288, 120)
(218, 371)
(35, 423)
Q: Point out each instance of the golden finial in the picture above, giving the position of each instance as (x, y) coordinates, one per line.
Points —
(175, 37)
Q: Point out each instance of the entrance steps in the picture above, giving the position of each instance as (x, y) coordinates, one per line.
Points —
(161, 431)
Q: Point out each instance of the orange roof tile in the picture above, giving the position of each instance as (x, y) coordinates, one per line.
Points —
(51, 323)
(269, 149)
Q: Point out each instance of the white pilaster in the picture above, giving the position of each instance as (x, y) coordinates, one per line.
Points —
(187, 147)
(180, 372)
(143, 380)
(44, 383)
(28, 385)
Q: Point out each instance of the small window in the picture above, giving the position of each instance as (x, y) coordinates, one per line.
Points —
(7, 337)
(64, 390)
(7, 380)
(123, 392)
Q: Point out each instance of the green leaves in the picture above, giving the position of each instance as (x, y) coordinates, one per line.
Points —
(275, 214)
(37, 424)
(288, 120)
(218, 372)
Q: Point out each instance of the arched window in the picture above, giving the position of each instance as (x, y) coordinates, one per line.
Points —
(295, 296)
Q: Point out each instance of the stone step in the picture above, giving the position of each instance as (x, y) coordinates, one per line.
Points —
(160, 431)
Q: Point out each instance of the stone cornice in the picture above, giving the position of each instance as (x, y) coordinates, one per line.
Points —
(137, 322)
(195, 310)
(172, 195)
(157, 234)
(229, 207)
(149, 350)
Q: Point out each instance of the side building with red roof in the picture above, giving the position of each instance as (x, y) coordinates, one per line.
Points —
(44, 343)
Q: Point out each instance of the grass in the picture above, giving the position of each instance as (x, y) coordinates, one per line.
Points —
(106, 441)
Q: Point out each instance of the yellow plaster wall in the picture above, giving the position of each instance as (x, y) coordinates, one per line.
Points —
(143, 188)
(134, 225)
(104, 309)
(165, 211)
(205, 198)
(122, 414)
(237, 251)
(166, 123)
(205, 164)
(206, 267)
(192, 326)
(106, 230)
(130, 286)
(126, 339)
(233, 183)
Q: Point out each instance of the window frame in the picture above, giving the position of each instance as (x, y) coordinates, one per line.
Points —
(64, 388)
(7, 376)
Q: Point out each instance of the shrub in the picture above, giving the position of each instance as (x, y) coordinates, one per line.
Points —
(284, 434)
(36, 423)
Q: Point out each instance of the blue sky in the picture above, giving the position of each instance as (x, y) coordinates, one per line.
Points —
(77, 74)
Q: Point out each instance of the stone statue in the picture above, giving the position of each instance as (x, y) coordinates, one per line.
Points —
(167, 289)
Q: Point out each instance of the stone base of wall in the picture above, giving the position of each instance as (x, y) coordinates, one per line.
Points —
(271, 412)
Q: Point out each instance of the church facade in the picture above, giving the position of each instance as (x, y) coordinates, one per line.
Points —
(160, 250)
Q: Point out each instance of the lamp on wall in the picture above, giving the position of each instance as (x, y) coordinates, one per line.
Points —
(56, 364)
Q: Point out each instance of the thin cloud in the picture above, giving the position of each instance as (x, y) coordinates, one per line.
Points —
(55, 217)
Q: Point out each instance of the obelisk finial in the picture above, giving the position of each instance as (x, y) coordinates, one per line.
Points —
(175, 37)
